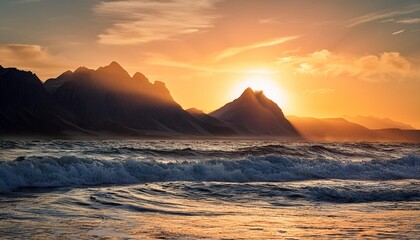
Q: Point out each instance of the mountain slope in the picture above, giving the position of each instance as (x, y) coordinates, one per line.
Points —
(27, 108)
(212, 124)
(108, 99)
(254, 114)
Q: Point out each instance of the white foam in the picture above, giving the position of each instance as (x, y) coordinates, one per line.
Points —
(72, 171)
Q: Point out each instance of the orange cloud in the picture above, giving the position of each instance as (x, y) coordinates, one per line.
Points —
(145, 21)
(30, 57)
(385, 66)
(374, 16)
(409, 21)
(236, 50)
(398, 32)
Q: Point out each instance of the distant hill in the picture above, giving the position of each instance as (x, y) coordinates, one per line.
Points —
(339, 129)
(398, 135)
(331, 129)
(378, 123)
(254, 114)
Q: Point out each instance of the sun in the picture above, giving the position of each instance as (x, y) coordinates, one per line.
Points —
(262, 82)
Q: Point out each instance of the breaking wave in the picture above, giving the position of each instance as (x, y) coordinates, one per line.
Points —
(73, 171)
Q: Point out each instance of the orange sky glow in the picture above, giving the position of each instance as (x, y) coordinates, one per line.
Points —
(328, 59)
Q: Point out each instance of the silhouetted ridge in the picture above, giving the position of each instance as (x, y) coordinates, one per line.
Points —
(112, 72)
(110, 99)
(27, 108)
(211, 124)
(195, 111)
(140, 78)
(253, 113)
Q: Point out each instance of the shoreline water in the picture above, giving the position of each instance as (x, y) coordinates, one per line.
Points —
(214, 189)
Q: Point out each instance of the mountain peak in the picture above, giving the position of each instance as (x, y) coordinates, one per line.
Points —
(254, 113)
(195, 111)
(113, 67)
(247, 92)
(113, 72)
(251, 95)
(81, 69)
(114, 64)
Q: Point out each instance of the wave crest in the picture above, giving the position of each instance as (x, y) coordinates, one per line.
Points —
(73, 171)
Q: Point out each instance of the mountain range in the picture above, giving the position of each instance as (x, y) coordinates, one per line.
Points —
(109, 102)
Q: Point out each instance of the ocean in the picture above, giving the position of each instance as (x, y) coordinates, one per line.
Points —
(211, 189)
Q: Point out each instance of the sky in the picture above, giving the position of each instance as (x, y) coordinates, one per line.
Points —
(326, 58)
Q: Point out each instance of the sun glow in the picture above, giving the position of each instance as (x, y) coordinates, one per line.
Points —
(262, 82)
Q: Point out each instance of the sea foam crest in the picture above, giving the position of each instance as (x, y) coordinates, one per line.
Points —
(73, 171)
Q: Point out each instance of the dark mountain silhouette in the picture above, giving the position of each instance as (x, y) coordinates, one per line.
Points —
(110, 99)
(378, 123)
(54, 83)
(213, 124)
(254, 114)
(27, 108)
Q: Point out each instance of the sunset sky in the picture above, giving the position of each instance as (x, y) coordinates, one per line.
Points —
(314, 58)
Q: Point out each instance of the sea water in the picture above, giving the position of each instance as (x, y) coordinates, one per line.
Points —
(213, 189)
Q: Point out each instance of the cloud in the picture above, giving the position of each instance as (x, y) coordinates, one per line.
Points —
(12, 54)
(409, 21)
(137, 22)
(402, 21)
(236, 50)
(28, 1)
(269, 20)
(374, 16)
(30, 57)
(385, 66)
(398, 32)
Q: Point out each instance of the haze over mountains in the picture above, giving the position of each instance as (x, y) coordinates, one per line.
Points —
(378, 123)
(108, 102)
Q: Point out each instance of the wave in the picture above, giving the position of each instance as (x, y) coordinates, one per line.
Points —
(269, 149)
(73, 171)
(345, 195)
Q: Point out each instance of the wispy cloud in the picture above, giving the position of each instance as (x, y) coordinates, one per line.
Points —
(149, 20)
(236, 50)
(402, 21)
(388, 20)
(398, 32)
(269, 20)
(375, 16)
(385, 66)
(160, 60)
(409, 21)
(27, 1)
